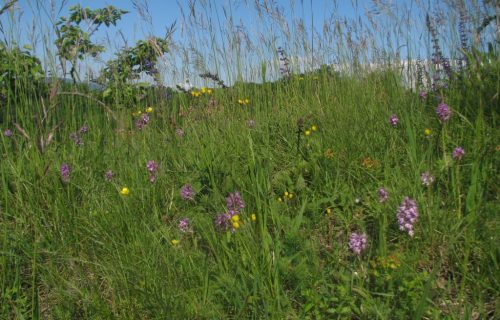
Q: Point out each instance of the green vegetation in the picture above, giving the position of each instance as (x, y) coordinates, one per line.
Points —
(108, 207)
(73, 43)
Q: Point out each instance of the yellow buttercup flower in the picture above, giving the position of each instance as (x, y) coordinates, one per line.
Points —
(124, 191)
(243, 102)
(427, 132)
(174, 242)
(253, 217)
(235, 218)
(149, 109)
(286, 194)
(290, 196)
(203, 90)
(314, 128)
(209, 91)
(236, 224)
(307, 132)
(280, 200)
(329, 211)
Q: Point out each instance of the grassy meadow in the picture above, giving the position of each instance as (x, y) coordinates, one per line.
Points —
(314, 195)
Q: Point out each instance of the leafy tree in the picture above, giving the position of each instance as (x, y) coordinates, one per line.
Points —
(129, 64)
(73, 43)
(17, 65)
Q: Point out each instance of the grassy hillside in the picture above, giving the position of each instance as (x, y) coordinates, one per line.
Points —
(321, 195)
(308, 157)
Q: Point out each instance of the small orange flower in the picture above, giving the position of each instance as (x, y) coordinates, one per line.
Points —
(369, 163)
(329, 153)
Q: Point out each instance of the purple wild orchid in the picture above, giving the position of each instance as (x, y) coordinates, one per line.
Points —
(458, 153)
(8, 133)
(357, 242)
(234, 203)
(65, 172)
(184, 225)
(407, 215)
(187, 192)
(179, 132)
(108, 176)
(443, 112)
(383, 195)
(222, 221)
(427, 179)
(152, 168)
(394, 120)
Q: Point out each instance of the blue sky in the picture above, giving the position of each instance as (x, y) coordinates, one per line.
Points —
(38, 15)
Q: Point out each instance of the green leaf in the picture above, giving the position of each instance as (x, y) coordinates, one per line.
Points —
(300, 184)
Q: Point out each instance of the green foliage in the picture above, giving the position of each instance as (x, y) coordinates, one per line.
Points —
(79, 249)
(80, 245)
(19, 64)
(129, 64)
(73, 43)
(19, 70)
(107, 16)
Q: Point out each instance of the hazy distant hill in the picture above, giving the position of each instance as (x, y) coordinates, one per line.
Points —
(91, 85)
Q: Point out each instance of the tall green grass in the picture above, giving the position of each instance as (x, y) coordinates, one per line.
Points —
(80, 250)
